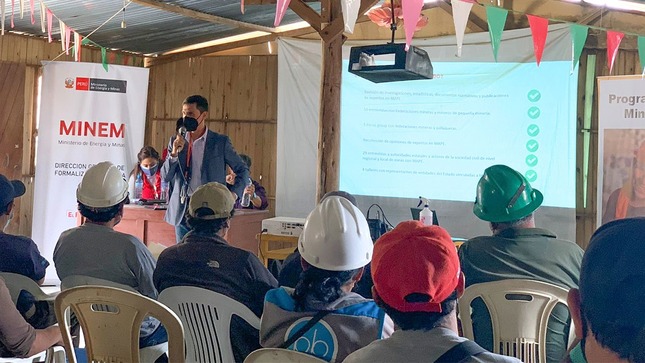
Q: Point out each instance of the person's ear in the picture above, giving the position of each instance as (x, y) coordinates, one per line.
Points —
(461, 285)
(305, 265)
(376, 297)
(573, 301)
(359, 275)
(9, 208)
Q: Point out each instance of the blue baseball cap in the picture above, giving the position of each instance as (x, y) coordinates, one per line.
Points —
(10, 189)
(612, 291)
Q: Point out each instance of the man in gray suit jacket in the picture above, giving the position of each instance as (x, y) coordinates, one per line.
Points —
(198, 159)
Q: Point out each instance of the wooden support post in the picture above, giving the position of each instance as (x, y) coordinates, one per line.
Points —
(329, 122)
(329, 125)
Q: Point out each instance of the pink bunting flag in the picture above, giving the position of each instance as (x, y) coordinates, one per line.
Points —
(613, 42)
(539, 29)
(49, 24)
(281, 7)
(242, 6)
(31, 8)
(12, 7)
(460, 13)
(68, 36)
(411, 13)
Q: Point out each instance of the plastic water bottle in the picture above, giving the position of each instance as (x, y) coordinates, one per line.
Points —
(138, 187)
(246, 198)
(164, 190)
(425, 216)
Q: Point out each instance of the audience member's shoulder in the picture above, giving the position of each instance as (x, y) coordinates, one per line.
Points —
(476, 242)
(16, 239)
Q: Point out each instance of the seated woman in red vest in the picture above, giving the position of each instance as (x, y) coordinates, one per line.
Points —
(147, 171)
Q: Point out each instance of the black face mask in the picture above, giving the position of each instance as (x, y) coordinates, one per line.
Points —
(190, 123)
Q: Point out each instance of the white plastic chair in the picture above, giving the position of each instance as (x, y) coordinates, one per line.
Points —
(519, 311)
(55, 354)
(111, 318)
(278, 355)
(16, 282)
(148, 353)
(206, 316)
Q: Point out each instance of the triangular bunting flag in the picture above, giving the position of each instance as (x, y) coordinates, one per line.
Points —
(12, 11)
(49, 24)
(578, 40)
(62, 27)
(411, 13)
(31, 9)
(77, 47)
(104, 58)
(460, 12)
(496, 18)
(281, 7)
(641, 52)
(2, 14)
(68, 38)
(42, 16)
(613, 42)
(539, 29)
(22, 8)
(242, 6)
(350, 10)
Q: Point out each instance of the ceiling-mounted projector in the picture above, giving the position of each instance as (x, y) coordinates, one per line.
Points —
(407, 66)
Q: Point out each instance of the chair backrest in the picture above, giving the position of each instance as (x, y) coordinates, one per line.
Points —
(82, 280)
(519, 311)
(206, 316)
(110, 319)
(16, 282)
(278, 355)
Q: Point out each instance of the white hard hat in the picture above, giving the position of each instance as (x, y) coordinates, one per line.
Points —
(102, 186)
(336, 236)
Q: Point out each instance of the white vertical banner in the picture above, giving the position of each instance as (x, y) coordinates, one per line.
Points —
(87, 115)
(621, 148)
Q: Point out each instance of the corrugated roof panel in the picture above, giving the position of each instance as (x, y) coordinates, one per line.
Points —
(148, 30)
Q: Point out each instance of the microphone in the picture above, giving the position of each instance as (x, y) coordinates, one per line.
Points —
(182, 131)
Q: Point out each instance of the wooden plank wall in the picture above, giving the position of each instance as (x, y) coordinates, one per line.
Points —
(18, 95)
(242, 96)
(12, 101)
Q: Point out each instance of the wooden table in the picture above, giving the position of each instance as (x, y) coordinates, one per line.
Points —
(275, 247)
(149, 226)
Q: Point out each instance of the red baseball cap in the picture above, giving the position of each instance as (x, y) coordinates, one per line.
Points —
(415, 267)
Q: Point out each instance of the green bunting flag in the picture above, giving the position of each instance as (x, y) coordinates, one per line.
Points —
(104, 58)
(496, 18)
(578, 40)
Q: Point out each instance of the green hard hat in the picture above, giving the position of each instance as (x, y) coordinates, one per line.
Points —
(504, 195)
